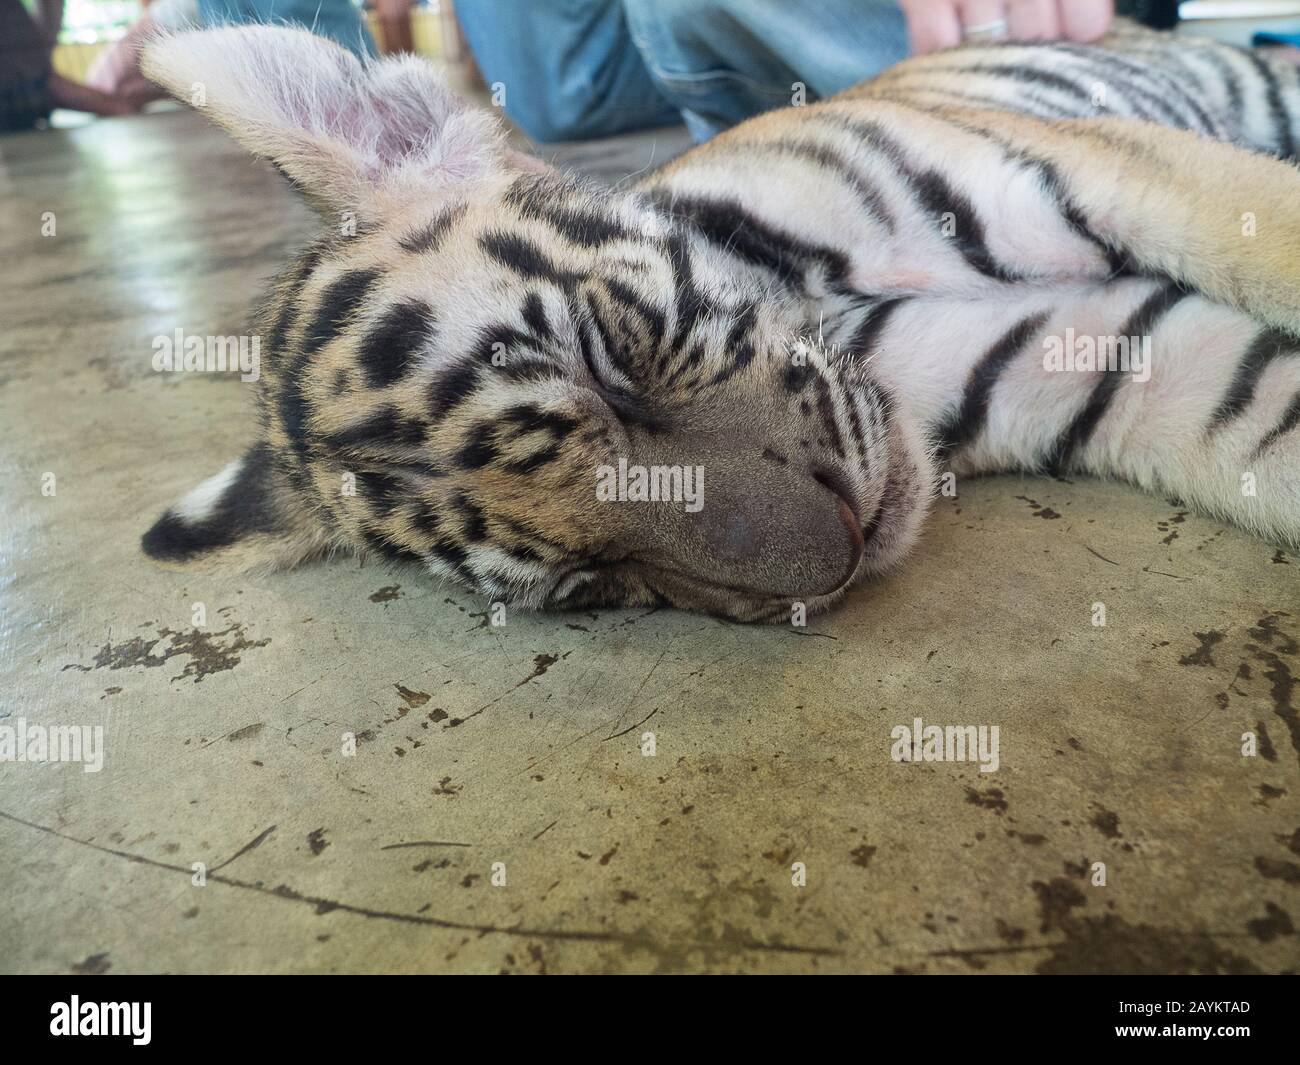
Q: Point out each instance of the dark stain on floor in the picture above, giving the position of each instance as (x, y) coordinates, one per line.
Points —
(989, 799)
(1164, 527)
(1110, 944)
(541, 664)
(1201, 656)
(209, 652)
(95, 965)
(1272, 645)
(1039, 510)
(1276, 922)
(1277, 869)
(413, 699)
(1029, 839)
(316, 840)
(387, 594)
(1008, 933)
(1266, 749)
(1056, 898)
(1105, 821)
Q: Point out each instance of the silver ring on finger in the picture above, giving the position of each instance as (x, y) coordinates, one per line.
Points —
(993, 30)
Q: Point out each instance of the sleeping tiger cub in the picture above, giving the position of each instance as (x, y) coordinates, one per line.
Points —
(518, 379)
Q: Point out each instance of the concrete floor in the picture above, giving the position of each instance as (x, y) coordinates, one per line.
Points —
(521, 745)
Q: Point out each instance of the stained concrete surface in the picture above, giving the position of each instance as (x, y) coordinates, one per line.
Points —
(1120, 744)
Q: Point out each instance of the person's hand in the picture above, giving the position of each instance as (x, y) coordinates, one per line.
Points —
(935, 24)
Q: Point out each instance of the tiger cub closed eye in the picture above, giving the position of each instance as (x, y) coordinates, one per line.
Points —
(732, 386)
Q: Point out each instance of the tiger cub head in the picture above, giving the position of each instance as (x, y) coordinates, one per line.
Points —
(553, 394)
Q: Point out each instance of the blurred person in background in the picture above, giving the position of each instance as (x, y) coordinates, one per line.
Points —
(577, 69)
(29, 87)
(574, 69)
(116, 71)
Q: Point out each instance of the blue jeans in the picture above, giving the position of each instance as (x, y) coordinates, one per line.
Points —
(339, 20)
(573, 69)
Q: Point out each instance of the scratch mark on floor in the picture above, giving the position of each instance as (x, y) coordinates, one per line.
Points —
(323, 906)
(1099, 555)
(631, 727)
(541, 663)
(242, 733)
(244, 850)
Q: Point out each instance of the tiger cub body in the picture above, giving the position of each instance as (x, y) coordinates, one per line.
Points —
(821, 311)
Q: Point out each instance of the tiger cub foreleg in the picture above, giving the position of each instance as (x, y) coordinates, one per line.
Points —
(1135, 380)
(1221, 220)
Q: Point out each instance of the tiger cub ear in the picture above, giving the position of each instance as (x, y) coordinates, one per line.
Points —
(243, 518)
(346, 133)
